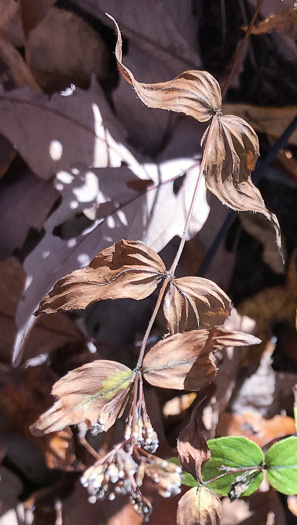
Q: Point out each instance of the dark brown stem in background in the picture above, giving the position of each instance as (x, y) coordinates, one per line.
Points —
(240, 50)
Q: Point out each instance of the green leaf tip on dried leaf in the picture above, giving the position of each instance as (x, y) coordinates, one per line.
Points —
(96, 393)
(199, 506)
(186, 361)
(233, 147)
(125, 269)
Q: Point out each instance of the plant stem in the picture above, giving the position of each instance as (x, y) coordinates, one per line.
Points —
(179, 251)
(237, 471)
(190, 213)
(152, 320)
(242, 46)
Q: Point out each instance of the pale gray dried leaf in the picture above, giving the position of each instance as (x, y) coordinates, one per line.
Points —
(194, 93)
(126, 269)
(193, 302)
(192, 447)
(74, 51)
(60, 136)
(19, 195)
(95, 391)
(154, 30)
(230, 156)
(199, 506)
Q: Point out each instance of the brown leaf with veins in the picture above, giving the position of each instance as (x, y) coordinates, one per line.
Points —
(96, 393)
(230, 145)
(193, 302)
(231, 155)
(199, 506)
(185, 361)
(126, 269)
(131, 269)
(195, 93)
(192, 447)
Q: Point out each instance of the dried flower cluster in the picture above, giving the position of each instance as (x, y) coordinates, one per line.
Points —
(119, 474)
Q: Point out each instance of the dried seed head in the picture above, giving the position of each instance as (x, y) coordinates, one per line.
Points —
(111, 476)
(167, 476)
(141, 505)
(143, 433)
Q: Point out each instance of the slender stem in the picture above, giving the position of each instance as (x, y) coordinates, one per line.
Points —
(152, 320)
(89, 448)
(241, 48)
(235, 471)
(190, 213)
(179, 251)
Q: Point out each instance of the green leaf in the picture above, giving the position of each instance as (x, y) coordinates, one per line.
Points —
(232, 453)
(281, 462)
(187, 478)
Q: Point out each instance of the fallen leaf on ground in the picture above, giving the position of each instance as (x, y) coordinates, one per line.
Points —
(33, 12)
(74, 51)
(255, 427)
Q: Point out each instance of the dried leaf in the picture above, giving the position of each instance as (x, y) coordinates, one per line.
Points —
(58, 449)
(285, 22)
(33, 11)
(17, 67)
(269, 120)
(95, 391)
(126, 269)
(232, 145)
(199, 506)
(254, 426)
(194, 93)
(185, 361)
(192, 447)
(193, 302)
(231, 155)
(73, 49)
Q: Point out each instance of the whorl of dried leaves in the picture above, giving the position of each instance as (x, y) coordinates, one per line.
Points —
(194, 308)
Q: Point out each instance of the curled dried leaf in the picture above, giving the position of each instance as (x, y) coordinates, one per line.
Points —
(192, 447)
(199, 506)
(126, 269)
(185, 361)
(96, 393)
(195, 93)
(193, 302)
(230, 157)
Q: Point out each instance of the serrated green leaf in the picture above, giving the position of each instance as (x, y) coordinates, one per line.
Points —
(235, 453)
(281, 463)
